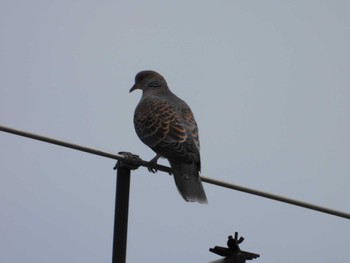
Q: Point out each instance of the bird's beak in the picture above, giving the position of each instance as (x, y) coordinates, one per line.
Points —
(133, 88)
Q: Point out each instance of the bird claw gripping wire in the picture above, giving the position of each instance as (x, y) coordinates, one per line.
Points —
(130, 160)
(153, 164)
(233, 253)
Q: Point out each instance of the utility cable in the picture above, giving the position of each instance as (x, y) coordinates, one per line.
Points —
(123, 157)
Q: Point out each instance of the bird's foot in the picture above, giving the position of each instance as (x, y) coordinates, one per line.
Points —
(153, 163)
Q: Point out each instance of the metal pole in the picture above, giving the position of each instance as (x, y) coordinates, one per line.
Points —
(121, 214)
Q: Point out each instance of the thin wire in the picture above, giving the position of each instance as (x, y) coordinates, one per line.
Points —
(166, 169)
(118, 157)
(277, 197)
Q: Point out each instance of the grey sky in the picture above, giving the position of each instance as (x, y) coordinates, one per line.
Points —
(267, 81)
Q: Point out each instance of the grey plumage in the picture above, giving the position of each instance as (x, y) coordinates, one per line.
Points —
(166, 124)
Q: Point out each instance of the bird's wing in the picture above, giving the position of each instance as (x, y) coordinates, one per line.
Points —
(190, 124)
(162, 127)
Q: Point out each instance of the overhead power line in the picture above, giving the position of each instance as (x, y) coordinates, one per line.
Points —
(123, 157)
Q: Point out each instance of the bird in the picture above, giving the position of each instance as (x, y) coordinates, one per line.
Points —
(166, 124)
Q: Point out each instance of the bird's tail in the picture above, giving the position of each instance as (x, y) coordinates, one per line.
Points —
(188, 182)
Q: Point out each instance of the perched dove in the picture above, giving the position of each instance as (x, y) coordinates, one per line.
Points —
(166, 124)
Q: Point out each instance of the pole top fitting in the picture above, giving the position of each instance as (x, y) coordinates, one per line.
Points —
(132, 161)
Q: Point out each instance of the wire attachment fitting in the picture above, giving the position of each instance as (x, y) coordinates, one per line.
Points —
(132, 161)
(233, 253)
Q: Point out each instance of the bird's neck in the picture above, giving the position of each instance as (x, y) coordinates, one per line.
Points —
(159, 92)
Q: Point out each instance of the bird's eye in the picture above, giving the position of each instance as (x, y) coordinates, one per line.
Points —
(154, 83)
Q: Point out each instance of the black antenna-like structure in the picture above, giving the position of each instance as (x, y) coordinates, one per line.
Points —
(232, 253)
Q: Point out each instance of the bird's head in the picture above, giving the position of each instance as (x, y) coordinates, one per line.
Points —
(148, 80)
